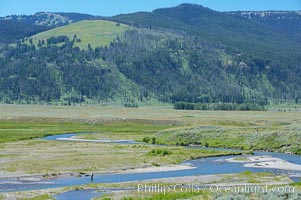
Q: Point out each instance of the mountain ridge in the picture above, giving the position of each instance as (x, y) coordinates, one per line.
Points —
(185, 53)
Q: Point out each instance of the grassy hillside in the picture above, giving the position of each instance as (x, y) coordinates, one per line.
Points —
(94, 32)
(16, 27)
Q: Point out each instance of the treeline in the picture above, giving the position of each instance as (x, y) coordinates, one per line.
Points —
(11, 31)
(57, 40)
(218, 106)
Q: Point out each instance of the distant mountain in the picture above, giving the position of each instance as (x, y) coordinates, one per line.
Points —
(11, 31)
(50, 19)
(284, 21)
(184, 53)
(15, 27)
(214, 27)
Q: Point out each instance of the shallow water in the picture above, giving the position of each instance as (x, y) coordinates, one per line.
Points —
(70, 135)
(78, 195)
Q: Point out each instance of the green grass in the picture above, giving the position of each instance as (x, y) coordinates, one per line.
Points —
(247, 130)
(93, 32)
(24, 129)
(41, 197)
(136, 130)
(254, 177)
(280, 136)
(60, 157)
(14, 130)
(168, 196)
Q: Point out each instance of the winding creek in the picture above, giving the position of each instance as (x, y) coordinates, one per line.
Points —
(205, 166)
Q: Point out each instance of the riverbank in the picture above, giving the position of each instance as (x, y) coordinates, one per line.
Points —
(18, 177)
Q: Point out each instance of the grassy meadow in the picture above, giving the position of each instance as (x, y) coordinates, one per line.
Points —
(22, 153)
(93, 32)
(25, 129)
(269, 130)
(48, 157)
(283, 137)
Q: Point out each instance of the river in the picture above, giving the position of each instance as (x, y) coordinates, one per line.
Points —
(204, 166)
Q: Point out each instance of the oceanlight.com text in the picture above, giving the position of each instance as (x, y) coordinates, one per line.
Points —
(214, 188)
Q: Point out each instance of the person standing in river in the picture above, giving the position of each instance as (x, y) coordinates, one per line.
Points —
(92, 177)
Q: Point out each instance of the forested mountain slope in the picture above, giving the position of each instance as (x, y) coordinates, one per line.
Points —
(11, 31)
(283, 21)
(211, 26)
(186, 53)
(255, 55)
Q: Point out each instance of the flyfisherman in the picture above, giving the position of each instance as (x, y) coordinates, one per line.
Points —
(92, 177)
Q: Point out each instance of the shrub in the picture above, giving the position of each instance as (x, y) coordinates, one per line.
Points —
(131, 105)
(218, 106)
(153, 140)
(159, 152)
(146, 139)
